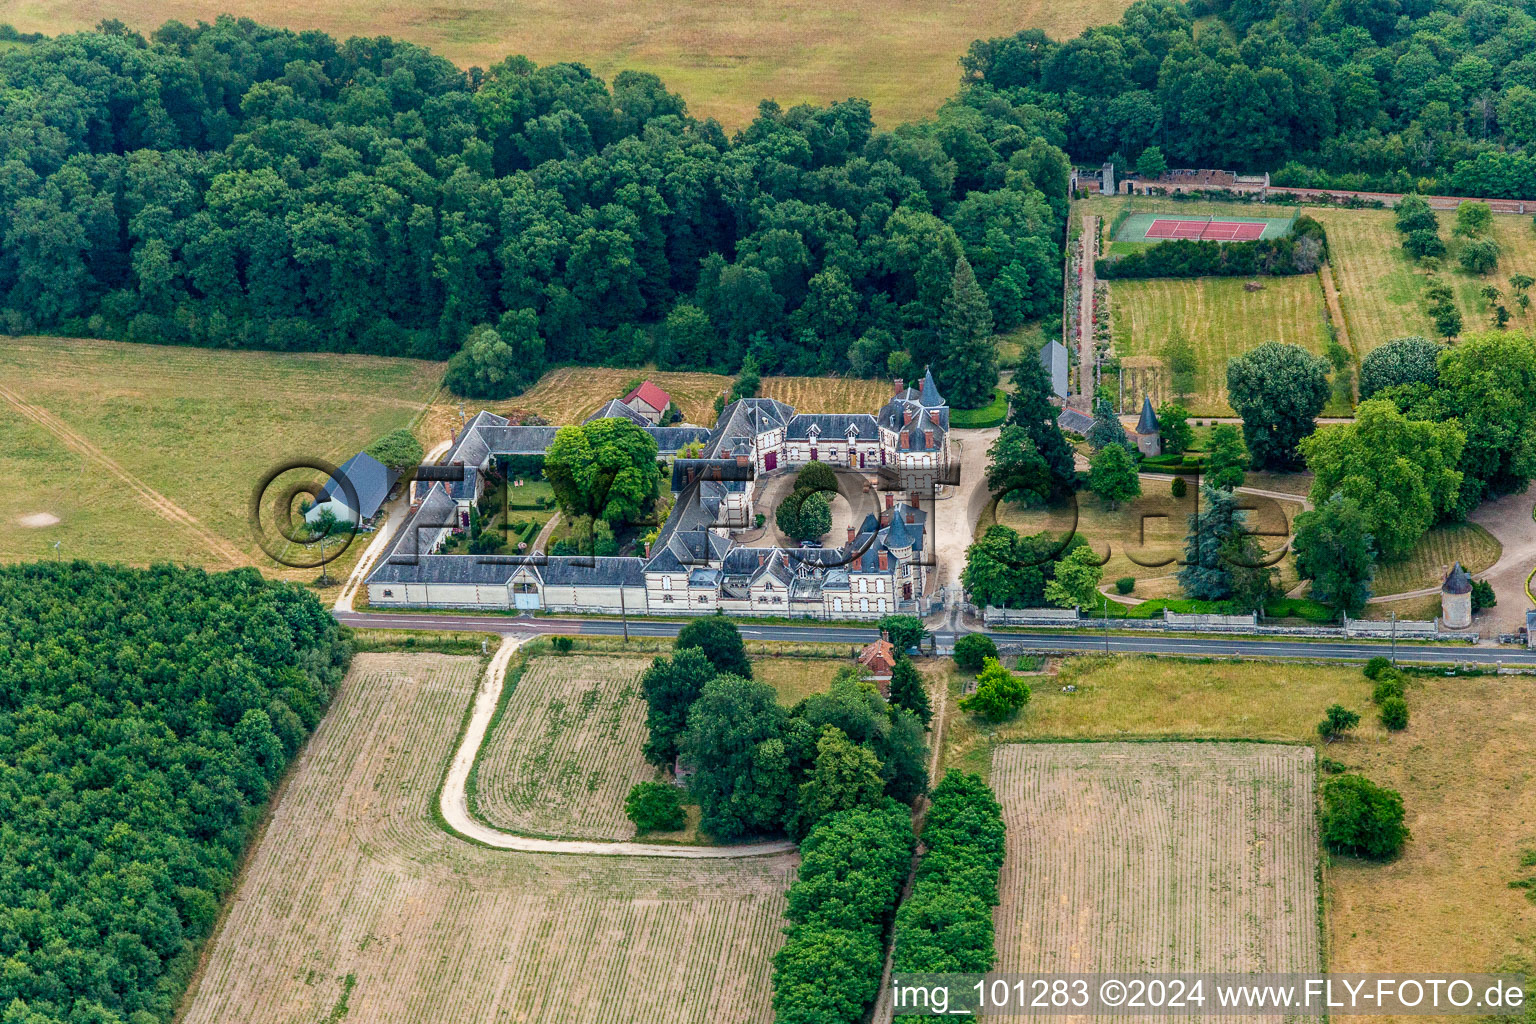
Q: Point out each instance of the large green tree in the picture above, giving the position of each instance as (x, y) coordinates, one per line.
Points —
(1112, 475)
(844, 776)
(967, 367)
(606, 469)
(1335, 550)
(1030, 407)
(720, 641)
(670, 686)
(1400, 473)
(1016, 471)
(1208, 552)
(735, 745)
(1278, 390)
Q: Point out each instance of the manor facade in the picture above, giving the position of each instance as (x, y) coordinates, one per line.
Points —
(709, 554)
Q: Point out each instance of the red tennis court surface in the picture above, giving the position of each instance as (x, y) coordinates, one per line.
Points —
(1210, 230)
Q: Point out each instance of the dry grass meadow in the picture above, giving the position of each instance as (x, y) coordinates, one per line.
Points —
(1156, 857)
(1464, 768)
(566, 750)
(722, 58)
(148, 453)
(356, 904)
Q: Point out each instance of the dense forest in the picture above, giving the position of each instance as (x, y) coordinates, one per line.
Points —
(144, 718)
(1397, 95)
(244, 186)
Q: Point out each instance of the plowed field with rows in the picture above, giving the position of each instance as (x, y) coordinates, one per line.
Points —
(355, 905)
(566, 749)
(1157, 857)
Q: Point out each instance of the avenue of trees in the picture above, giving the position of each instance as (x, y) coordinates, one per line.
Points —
(235, 185)
(145, 717)
(1388, 95)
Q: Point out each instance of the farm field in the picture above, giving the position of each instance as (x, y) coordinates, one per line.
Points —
(1220, 319)
(356, 904)
(147, 453)
(565, 750)
(1155, 857)
(569, 394)
(1382, 291)
(829, 394)
(723, 59)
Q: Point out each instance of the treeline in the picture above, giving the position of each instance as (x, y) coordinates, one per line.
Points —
(945, 925)
(756, 767)
(1300, 252)
(852, 866)
(145, 717)
(234, 185)
(1388, 95)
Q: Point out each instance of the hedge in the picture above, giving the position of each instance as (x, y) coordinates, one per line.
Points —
(989, 415)
(852, 866)
(1188, 258)
(945, 925)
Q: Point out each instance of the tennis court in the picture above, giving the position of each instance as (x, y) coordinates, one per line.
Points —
(1153, 227)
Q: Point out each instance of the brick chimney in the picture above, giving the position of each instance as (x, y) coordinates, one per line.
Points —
(884, 563)
(915, 499)
(933, 414)
(761, 558)
(901, 385)
(741, 460)
(906, 416)
(850, 535)
(890, 499)
(927, 439)
(911, 516)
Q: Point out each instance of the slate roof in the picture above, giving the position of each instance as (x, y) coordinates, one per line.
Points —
(497, 571)
(370, 480)
(726, 471)
(1054, 357)
(470, 447)
(745, 419)
(651, 395)
(930, 394)
(672, 439)
(1076, 421)
(832, 426)
(1148, 422)
(616, 409)
(1457, 581)
(892, 415)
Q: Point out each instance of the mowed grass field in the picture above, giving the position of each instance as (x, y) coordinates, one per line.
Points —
(1157, 857)
(1382, 291)
(147, 453)
(1468, 543)
(356, 904)
(1145, 537)
(1220, 319)
(722, 58)
(566, 750)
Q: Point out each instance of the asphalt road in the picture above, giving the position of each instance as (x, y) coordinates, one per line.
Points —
(1044, 640)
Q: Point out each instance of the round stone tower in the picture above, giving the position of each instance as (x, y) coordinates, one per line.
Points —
(1456, 598)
